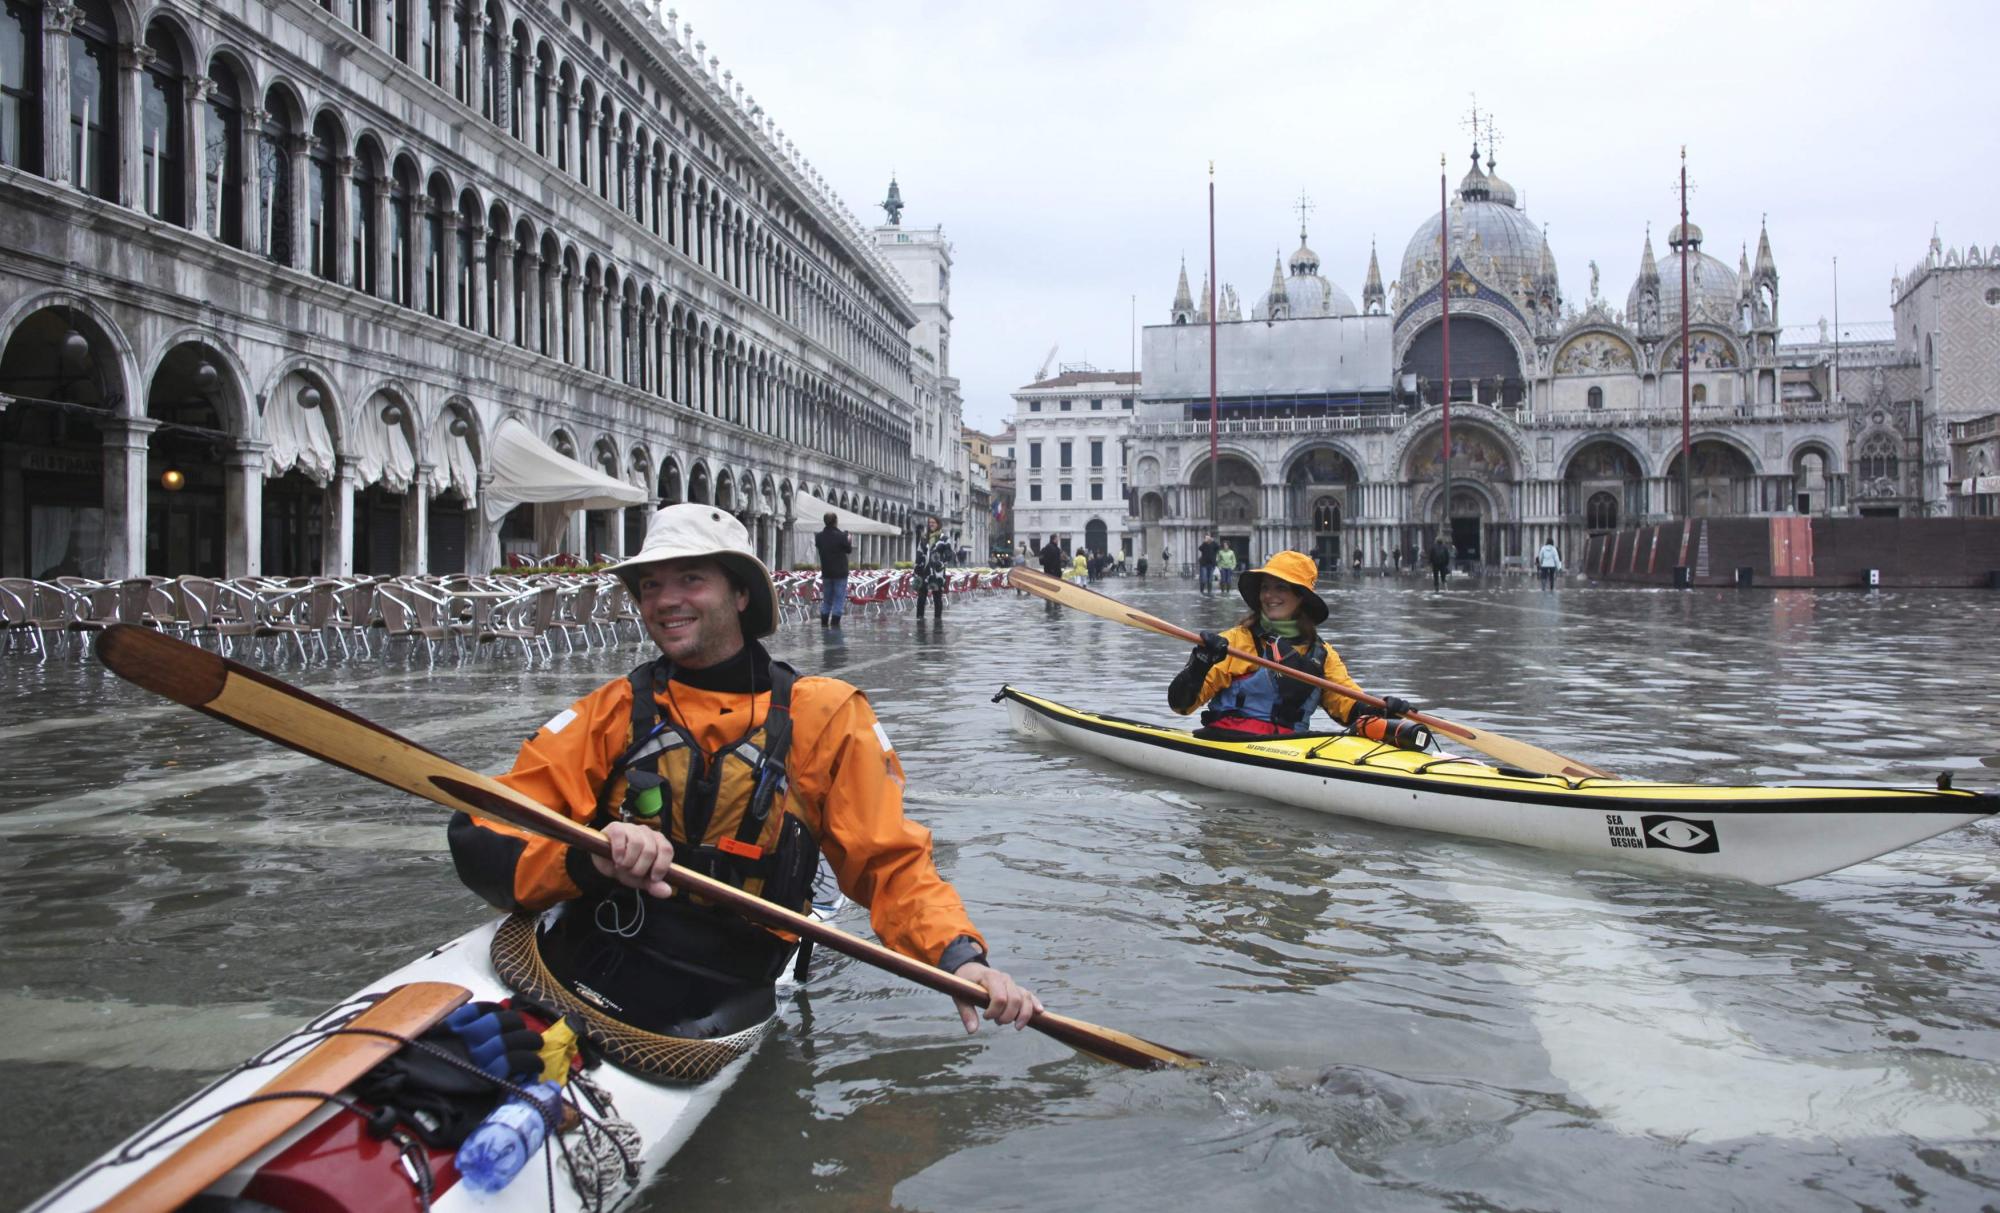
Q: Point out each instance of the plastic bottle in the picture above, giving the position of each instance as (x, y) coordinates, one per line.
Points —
(503, 1143)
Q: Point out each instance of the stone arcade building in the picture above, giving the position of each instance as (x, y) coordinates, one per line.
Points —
(1565, 419)
(284, 281)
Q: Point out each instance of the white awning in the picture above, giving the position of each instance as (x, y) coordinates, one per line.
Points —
(298, 439)
(526, 469)
(810, 512)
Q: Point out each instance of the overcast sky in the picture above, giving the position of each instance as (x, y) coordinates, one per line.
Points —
(1064, 146)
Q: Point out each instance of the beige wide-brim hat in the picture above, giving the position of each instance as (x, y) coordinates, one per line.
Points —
(694, 531)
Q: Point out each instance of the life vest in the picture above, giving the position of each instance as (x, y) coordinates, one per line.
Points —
(730, 815)
(1267, 695)
(726, 814)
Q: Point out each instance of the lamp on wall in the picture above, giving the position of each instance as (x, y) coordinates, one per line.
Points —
(309, 397)
(392, 414)
(173, 480)
(458, 427)
(206, 376)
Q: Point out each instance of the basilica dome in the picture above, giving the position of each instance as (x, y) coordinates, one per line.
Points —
(1496, 240)
(1713, 287)
(1305, 292)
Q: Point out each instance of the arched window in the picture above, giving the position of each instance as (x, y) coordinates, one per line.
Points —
(162, 131)
(517, 87)
(1879, 459)
(222, 158)
(468, 231)
(402, 262)
(606, 135)
(322, 196)
(274, 180)
(362, 196)
(428, 18)
(459, 29)
(21, 85)
(93, 100)
(1600, 513)
(489, 80)
(1596, 397)
(361, 15)
(396, 29)
(434, 283)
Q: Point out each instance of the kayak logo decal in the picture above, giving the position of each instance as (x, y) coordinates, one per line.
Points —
(1680, 834)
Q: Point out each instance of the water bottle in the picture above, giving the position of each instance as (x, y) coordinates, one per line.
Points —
(505, 1141)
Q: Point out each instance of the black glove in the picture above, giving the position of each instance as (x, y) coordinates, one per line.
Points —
(1395, 705)
(1213, 648)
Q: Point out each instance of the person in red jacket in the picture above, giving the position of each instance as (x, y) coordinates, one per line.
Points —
(720, 759)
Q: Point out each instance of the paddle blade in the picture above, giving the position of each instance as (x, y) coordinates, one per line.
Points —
(1109, 1044)
(1055, 589)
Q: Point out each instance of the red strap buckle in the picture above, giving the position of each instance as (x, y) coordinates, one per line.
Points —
(742, 850)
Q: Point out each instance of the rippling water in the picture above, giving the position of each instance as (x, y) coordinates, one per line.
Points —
(1399, 1020)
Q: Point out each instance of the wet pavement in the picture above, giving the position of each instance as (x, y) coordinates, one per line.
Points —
(1400, 1020)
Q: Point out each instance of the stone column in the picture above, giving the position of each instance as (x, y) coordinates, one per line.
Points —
(345, 271)
(243, 508)
(420, 252)
(416, 545)
(448, 266)
(503, 310)
(644, 356)
(614, 532)
(58, 18)
(475, 283)
(503, 96)
(542, 113)
(296, 168)
(132, 64)
(125, 443)
(382, 223)
(483, 543)
(194, 120)
(585, 335)
(636, 202)
(607, 327)
(337, 535)
(568, 134)
(586, 149)
(675, 224)
(531, 302)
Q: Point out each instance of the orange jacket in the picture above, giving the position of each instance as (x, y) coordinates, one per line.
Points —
(1229, 669)
(845, 777)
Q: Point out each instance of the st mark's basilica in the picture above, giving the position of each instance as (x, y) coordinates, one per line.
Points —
(1566, 418)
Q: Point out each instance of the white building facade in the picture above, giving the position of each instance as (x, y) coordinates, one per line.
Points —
(922, 259)
(1070, 440)
(318, 262)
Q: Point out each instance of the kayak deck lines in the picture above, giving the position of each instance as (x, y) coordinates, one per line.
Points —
(1764, 833)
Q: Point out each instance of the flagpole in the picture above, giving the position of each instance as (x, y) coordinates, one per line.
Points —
(1214, 434)
(1687, 358)
(1444, 302)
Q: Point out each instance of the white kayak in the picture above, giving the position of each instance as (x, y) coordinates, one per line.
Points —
(330, 1161)
(1767, 834)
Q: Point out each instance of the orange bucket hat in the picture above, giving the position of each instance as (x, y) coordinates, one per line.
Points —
(1295, 569)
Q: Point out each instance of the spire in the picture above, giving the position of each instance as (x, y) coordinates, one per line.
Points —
(893, 204)
(1766, 264)
(1277, 277)
(1743, 269)
(1183, 301)
(1201, 305)
(1649, 269)
(1373, 301)
(1475, 187)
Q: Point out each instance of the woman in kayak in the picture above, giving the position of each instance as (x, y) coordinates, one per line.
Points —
(1246, 700)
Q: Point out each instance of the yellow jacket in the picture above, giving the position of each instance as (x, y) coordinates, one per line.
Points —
(1229, 669)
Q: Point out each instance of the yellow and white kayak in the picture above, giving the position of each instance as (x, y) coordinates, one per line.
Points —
(1765, 834)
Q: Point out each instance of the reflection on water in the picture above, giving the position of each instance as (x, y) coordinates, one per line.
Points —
(1400, 1020)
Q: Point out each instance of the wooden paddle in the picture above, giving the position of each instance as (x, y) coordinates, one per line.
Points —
(280, 712)
(1513, 753)
(329, 1066)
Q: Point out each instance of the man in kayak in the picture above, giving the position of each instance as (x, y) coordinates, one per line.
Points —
(717, 758)
(1246, 700)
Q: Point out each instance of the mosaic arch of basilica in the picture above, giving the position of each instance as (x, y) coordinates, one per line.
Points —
(1566, 419)
(297, 289)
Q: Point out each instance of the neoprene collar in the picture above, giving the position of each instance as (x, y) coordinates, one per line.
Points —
(748, 672)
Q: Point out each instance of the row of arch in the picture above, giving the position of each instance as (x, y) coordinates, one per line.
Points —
(252, 163)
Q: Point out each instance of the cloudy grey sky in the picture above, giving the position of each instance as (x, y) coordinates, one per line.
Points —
(1064, 146)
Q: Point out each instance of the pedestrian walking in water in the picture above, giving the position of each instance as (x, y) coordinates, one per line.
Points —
(1441, 555)
(834, 546)
(934, 552)
(1166, 562)
(1205, 558)
(1225, 567)
(1548, 562)
(1051, 556)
